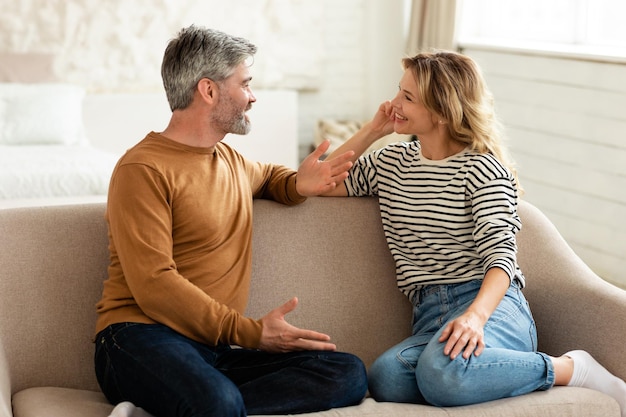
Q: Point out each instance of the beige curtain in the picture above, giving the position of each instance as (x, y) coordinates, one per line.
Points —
(431, 26)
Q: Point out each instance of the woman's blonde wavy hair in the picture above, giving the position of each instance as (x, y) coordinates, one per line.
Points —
(452, 88)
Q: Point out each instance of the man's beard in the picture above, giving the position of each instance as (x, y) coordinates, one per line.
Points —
(230, 118)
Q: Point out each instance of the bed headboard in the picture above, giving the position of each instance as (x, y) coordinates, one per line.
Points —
(26, 68)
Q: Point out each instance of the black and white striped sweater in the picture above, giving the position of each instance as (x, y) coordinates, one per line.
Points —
(445, 221)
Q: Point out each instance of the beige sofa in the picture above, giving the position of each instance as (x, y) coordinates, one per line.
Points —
(330, 252)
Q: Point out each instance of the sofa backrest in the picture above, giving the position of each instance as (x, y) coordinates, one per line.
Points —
(329, 252)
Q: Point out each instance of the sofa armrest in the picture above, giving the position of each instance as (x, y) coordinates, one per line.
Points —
(5, 385)
(573, 307)
(54, 261)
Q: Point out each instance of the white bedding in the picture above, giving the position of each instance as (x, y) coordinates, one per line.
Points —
(38, 171)
(58, 144)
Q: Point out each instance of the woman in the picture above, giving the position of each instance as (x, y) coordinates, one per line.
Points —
(449, 209)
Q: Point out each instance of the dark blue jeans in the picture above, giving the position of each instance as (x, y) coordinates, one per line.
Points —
(170, 375)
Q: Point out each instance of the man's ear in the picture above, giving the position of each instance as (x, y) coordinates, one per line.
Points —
(207, 89)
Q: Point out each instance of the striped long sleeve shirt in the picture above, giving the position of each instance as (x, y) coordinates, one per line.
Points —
(445, 221)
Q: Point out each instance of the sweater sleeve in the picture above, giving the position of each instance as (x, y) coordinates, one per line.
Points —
(275, 182)
(362, 178)
(494, 208)
(140, 223)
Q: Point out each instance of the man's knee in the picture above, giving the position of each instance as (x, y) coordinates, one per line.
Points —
(350, 379)
(223, 401)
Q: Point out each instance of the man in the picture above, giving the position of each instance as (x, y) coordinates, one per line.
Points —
(180, 221)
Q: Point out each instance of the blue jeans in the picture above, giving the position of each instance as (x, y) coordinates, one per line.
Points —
(417, 371)
(170, 375)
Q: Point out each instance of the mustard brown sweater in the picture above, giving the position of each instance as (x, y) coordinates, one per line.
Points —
(180, 235)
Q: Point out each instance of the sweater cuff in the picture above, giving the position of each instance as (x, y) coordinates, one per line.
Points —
(292, 192)
(249, 333)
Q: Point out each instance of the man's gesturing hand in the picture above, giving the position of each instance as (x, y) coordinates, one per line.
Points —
(317, 177)
(280, 336)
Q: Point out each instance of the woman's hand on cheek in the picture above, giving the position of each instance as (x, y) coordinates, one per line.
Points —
(383, 120)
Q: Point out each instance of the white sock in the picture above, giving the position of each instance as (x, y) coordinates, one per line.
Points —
(128, 409)
(588, 373)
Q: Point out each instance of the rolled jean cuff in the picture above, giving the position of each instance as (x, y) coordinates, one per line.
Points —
(550, 377)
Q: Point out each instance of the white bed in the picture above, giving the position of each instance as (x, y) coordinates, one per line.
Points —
(44, 171)
(44, 151)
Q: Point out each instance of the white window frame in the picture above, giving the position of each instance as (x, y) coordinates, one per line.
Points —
(585, 27)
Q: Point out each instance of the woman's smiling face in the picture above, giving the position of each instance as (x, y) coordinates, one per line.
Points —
(410, 114)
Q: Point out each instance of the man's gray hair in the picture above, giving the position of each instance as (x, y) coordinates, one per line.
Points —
(197, 53)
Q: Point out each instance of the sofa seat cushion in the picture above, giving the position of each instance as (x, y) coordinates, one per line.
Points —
(557, 402)
(60, 402)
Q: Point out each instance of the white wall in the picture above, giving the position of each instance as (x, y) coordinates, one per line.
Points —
(342, 56)
(567, 129)
(117, 121)
(364, 44)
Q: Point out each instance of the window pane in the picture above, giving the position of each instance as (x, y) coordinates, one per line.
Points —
(606, 25)
(534, 20)
(597, 25)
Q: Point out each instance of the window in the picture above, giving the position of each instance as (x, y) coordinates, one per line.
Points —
(584, 26)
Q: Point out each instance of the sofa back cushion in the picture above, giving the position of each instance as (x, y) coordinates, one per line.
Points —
(53, 261)
(330, 253)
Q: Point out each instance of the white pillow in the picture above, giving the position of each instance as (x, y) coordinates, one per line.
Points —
(41, 114)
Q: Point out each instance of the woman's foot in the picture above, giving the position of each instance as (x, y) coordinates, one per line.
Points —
(588, 373)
